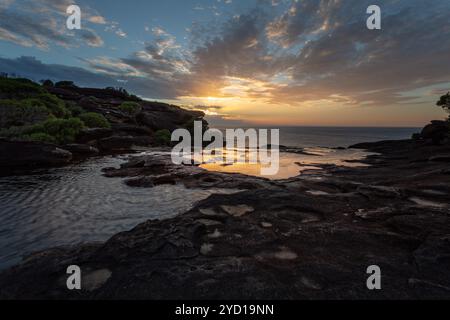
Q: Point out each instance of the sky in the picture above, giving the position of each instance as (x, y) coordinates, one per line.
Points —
(245, 62)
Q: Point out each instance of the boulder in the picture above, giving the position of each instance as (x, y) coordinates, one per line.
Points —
(117, 143)
(440, 158)
(87, 135)
(158, 116)
(28, 154)
(437, 131)
(133, 130)
(81, 150)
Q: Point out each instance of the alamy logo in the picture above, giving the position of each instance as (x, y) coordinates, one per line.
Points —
(374, 21)
(374, 281)
(74, 19)
(258, 150)
(74, 280)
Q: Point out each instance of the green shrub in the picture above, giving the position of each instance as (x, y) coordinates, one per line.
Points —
(40, 136)
(55, 105)
(134, 97)
(67, 84)
(74, 109)
(62, 130)
(94, 120)
(13, 132)
(130, 107)
(58, 131)
(163, 137)
(19, 88)
(22, 112)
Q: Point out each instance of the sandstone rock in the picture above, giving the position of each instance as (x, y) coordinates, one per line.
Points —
(237, 211)
(437, 131)
(158, 116)
(274, 240)
(24, 154)
(95, 279)
(117, 143)
(133, 130)
(81, 150)
(87, 135)
(440, 158)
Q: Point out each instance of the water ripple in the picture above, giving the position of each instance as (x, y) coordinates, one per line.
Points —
(76, 204)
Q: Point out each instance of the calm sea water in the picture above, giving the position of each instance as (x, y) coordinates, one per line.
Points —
(332, 137)
(76, 204)
(340, 136)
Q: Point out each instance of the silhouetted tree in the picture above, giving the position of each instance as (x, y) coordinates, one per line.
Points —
(444, 102)
(47, 83)
(62, 84)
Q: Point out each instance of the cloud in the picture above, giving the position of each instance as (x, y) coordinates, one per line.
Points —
(322, 50)
(366, 66)
(42, 23)
(288, 52)
(97, 19)
(91, 38)
(36, 70)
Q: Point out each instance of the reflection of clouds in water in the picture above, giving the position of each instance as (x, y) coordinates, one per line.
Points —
(290, 164)
(74, 204)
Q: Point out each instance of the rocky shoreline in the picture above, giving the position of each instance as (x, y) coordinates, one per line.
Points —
(126, 130)
(308, 237)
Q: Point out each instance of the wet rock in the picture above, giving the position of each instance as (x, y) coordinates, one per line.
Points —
(266, 224)
(95, 279)
(133, 130)
(81, 150)
(237, 211)
(117, 143)
(440, 158)
(379, 191)
(427, 203)
(273, 240)
(285, 254)
(375, 214)
(91, 134)
(23, 154)
(310, 283)
(206, 248)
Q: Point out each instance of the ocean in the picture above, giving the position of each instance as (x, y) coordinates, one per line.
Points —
(333, 137)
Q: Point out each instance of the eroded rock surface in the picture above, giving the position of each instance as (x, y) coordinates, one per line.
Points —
(273, 239)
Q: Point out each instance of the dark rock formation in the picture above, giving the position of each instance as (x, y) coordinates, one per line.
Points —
(88, 135)
(134, 130)
(117, 143)
(153, 116)
(81, 150)
(158, 116)
(438, 132)
(308, 237)
(24, 154)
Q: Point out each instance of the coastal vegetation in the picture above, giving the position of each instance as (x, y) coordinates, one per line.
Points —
(55, 122)
(444, 102)
(162, 137)
(94, 120)
(130, 107)
(28, 112)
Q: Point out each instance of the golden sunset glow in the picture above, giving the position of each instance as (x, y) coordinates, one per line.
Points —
(281, 63)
